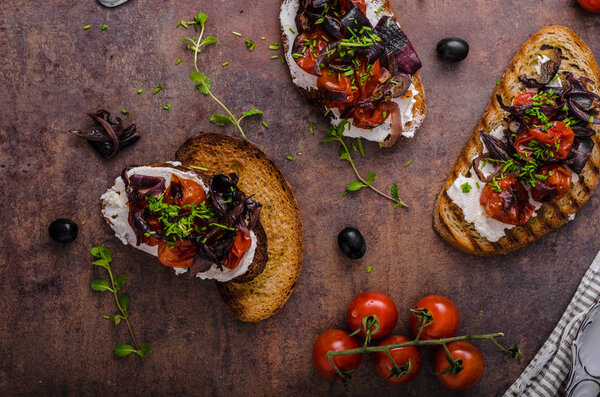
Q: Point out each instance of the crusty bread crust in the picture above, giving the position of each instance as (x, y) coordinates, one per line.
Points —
(314, 97)
(448, 219)
(264, 295)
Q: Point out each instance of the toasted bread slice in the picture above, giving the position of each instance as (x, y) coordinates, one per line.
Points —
(448, 219)
(265, 294)
(377, 8)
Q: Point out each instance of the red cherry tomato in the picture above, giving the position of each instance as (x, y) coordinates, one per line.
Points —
(472, 362)
(242, 244)
(190, 193)
(181, 255)
(337, 88)
(553, 188)
(524, 98)
(401, 356)
(445, 318)
(335, 340)
(590, 5)
(311, 45)
(510, 205)
(558, 139)
(367, 77)
(372, 304)
(370, 117)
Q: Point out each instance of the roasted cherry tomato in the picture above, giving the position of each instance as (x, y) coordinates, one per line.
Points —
(242, 244)
(401, 356)
(472, 362)
(181, 255)
(509, 205)
(370, 117)
(590, 5)
(557, 140)
(445, 318)
(313, 44)
(337, 89)
(184, 191)
(367, 77)
(524, 98)
(346, 5)
(555, 186)
(372, 304)
(335, 340)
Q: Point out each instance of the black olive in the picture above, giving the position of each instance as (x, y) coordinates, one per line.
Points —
(352, 243)
(63, 230)
(452, 49)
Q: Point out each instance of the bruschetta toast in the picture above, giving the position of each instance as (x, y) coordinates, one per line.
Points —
(352, 61)
(533, 160)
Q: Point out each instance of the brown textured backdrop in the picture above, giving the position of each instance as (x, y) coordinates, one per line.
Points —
(52, 339)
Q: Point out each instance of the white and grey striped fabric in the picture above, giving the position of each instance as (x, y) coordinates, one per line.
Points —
(546, 373)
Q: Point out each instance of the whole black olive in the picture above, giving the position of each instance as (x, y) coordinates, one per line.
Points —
(352, 243)
(452, 49)
(63, 230)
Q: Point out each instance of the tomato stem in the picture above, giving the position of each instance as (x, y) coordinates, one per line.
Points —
(386, 348)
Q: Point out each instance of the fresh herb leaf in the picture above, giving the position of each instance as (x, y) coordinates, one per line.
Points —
(395, 193)
(123, 350)
(124, 300)
(251, 112)
(202, 82)
(311, 128)
(119, 281)
(465, 187)
(100, 285)
(354, 186)
(178, 61)
(371, 178)
(289, 158)
(208, 40)
(220, 119)
(143, 350)
(361, 149)
(250, 44)
(104, 27)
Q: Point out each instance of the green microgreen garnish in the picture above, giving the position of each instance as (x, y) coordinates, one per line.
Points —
(158, 88)
(178, 222)
(167, 106)
(202, 81)
(86, 27)
(104, 27)
(274, 46)
(264, 123)
(122, 301)
(140, 90)
(311, 128)
(369, 269)
(465, 187)
(250, 44)
(225, 64)
(124, 111)
(178, 61)
(335, 134)
(289, 158)
(409, 162)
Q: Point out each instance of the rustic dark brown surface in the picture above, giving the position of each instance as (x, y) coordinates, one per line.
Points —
(52, 339)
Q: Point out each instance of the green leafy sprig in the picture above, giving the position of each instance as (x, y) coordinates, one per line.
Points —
(114, 285)
(335, 134)
(202, 81)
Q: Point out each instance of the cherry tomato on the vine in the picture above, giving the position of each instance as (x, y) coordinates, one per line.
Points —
(445, 318)
(401, 357)
(372, 304)
(472, 362)
(590, 5)
(335, 340)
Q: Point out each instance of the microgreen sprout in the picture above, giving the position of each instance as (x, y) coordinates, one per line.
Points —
(335, 134)
(114, 285)
(202, 81)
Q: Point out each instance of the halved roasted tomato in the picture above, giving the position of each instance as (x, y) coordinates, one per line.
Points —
(507, 201)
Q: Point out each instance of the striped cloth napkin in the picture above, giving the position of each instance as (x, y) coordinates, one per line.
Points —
(547, 372)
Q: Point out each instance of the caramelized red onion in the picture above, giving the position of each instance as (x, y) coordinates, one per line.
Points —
(548, 71)
(405, 57)
(396, 119)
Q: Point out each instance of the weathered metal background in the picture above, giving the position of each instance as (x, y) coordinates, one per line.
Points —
(52, 338)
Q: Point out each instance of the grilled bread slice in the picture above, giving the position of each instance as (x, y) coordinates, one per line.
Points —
(375, 10)
(448, 219)
(263, 295)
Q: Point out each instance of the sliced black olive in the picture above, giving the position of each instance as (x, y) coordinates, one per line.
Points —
(63, 230)
(352, 243)
(452, 49)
